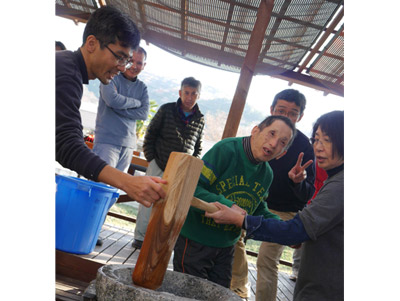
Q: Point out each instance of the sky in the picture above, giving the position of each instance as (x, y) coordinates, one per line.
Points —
(262, 89)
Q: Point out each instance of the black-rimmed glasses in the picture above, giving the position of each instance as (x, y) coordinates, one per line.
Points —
(121, 61)
(282, 112)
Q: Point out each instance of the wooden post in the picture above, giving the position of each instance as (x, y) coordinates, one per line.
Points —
(247, 71)
(167, 217)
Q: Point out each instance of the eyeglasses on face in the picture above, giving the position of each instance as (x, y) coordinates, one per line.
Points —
(121, 61)
(287, 114)
(324, 142)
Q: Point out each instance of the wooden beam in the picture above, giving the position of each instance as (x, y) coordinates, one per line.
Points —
(247, 71)
(322, 40)
(135, 158)
(221, 57)
(275, 27)
(168, 42)
(75, 267)
(142, 14)
(311, 82)
(124, 198)
(330, 75)
(80, 4)
(226, 31)
(123, 217)
(72, 14)
(184, 22)
(324, 51)
(224, 24)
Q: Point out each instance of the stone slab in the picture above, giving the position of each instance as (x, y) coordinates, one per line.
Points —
(114, 283)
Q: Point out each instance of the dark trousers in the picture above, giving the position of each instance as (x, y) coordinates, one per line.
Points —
(214, 264)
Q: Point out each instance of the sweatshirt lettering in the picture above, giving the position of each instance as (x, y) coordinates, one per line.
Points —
(230, 183)
(234, 181)
(209, 221)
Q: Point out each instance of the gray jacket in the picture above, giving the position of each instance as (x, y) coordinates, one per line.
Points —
(321, 274)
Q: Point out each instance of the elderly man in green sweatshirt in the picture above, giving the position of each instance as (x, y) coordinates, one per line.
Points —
(236, 173)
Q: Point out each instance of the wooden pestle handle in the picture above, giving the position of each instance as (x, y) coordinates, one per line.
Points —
(200, 204)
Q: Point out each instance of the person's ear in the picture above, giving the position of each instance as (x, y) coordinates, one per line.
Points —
(180, 93)
(91, 43)
(301, 116)
(255, 130)
(271, 109)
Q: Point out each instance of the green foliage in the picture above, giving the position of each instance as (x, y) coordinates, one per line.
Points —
(123, 209)
(141, 125)
(254, 245)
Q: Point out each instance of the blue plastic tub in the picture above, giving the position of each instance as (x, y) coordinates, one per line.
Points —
(81, 208)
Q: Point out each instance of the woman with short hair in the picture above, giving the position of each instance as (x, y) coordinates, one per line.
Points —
(320, 225)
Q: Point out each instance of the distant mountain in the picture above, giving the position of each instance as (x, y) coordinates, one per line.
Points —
(163, 90)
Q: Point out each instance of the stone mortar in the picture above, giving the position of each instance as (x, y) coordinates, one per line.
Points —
(114, 283)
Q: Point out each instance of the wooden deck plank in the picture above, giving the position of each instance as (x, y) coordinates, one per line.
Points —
(108, 254)
(286, 286)
(122, 255)
(69, 292)
(117, 249)
(132, 258)
(252, 277)
(65, 296)
(107, 242)
(106, 231)
(69, 288)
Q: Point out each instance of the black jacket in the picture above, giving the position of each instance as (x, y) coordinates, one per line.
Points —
(283, 194)
(168, 132)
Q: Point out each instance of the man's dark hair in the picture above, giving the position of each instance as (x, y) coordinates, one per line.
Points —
(61, 45)
(110, 25)
(332, 125)
(270, 119)
(141, 50)
(291, 95)
(191, 82)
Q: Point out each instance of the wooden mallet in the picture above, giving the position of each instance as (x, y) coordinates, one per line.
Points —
(167, 218)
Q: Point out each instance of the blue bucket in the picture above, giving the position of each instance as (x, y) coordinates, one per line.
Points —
(81, 208)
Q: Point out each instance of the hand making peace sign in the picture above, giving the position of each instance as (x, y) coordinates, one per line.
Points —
(298, 173)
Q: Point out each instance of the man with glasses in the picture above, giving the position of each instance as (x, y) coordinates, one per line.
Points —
(291, 188)
(121, 103)
(109, 39)
(289, 193)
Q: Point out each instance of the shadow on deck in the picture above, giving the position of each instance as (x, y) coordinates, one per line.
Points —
(75, 272)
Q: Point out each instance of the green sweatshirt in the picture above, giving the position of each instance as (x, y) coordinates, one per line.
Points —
(230, 178)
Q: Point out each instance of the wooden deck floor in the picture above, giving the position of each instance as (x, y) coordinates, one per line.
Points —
(117, 249)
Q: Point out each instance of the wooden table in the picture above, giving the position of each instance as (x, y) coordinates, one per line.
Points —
(137, 160)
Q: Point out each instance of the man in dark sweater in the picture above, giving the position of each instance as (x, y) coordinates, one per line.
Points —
(176, 127)
(109, 39)
(288, 193)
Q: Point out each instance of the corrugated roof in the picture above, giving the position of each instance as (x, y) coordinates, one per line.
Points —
(303, 43)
